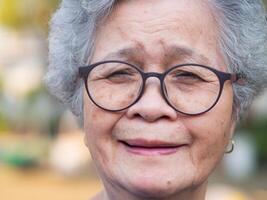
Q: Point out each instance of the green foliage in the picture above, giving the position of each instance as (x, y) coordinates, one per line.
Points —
(258, 129)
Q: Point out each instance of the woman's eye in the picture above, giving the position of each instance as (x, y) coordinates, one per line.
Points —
(122, 76)
(188, 75)
(121, 73)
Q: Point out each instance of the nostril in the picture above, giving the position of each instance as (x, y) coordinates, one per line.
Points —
(151, 117)
(142, 116)
(137, 116)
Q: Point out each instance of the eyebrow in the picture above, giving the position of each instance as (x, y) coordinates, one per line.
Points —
(177, 52)
(130, 53)
(171, 53)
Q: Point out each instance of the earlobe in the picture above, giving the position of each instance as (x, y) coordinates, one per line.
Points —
(235, 113)
(232, 129)
(232, 147)
(231, 144)
(85, 141)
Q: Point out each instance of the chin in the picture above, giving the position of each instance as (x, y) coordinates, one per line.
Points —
(154, 191)
(157, 187)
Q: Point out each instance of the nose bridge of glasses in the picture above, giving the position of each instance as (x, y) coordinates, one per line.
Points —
(152, 82)
(153, 74)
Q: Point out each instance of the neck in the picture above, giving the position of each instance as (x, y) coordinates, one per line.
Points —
(197, 193)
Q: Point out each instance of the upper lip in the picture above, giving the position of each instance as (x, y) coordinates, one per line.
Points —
(149, 143)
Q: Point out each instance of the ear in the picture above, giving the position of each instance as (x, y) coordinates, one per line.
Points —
(85, 140)
(232, 128)
(234, 120)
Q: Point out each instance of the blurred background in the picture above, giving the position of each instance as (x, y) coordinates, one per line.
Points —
(42, 155)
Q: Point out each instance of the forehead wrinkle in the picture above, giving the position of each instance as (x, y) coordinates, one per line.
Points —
(171, 53)
(132, 53)
(181, 53)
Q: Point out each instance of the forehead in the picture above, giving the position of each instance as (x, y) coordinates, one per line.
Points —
(156, 30)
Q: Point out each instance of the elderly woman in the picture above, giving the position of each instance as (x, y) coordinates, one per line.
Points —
(158, 86)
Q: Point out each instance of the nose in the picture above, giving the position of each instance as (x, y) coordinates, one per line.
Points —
(152, 106)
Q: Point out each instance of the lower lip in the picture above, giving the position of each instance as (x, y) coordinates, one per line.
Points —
(152, 151)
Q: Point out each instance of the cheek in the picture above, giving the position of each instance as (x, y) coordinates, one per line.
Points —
(211, 133)
(208, 146)
(97, 122)
(210, 139)
(98, 126)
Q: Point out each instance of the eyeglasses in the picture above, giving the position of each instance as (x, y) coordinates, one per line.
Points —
(190, 89)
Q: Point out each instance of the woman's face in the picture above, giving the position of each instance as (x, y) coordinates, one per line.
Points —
(154, 34)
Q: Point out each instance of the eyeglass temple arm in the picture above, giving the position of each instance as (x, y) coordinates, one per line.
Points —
(238, 78)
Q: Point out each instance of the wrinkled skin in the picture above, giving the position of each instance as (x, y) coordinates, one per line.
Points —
(150, 28)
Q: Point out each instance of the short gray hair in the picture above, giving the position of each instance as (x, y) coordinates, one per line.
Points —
(243, 40)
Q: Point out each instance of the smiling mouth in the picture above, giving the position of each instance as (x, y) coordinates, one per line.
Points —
(150, 148)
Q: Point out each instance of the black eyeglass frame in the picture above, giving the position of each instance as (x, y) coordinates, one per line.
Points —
(84, 72)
